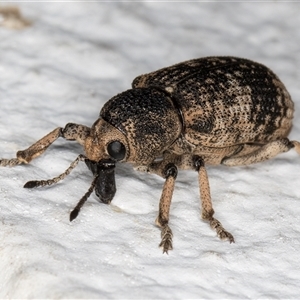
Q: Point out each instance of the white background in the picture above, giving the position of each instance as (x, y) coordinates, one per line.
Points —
(63, 68)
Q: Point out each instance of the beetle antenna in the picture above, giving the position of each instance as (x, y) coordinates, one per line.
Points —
(36, 183)
(74, 213)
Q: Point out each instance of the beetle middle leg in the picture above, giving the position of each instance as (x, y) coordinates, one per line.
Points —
(207, 209)
(169, 172)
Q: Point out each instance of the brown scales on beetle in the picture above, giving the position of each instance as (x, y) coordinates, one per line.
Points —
(214, 110)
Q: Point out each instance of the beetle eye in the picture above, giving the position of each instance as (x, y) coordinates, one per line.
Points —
(116, 150)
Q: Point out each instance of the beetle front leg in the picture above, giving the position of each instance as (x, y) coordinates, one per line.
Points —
(170, 174)
(70, 132)
(207, 209)
(25, 156)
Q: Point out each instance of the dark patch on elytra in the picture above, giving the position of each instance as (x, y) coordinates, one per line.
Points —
(203, 125)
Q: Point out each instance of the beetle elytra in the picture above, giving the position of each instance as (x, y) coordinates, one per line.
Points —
(213, 110)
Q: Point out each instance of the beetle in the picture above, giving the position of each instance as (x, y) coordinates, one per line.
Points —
(206, 111)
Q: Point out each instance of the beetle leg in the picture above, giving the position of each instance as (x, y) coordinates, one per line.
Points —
(170, 174)
(70, 132)
(296, 145)
(207, 209)
(265, 152)
(25, 156)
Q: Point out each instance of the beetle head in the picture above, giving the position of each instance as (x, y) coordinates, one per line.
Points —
(136, 126)
(105, 142)
(103, 147)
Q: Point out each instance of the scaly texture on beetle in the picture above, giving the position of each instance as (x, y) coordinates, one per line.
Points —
(213, 110)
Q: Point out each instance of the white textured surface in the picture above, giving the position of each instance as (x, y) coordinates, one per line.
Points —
(73, 58)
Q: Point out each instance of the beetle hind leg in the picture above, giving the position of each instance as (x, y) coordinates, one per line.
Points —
(207, 209)
(296, 145)
(263, 153)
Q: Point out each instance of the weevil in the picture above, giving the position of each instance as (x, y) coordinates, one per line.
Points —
(206, 111)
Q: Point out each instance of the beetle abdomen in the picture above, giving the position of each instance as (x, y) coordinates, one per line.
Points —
(227, 100)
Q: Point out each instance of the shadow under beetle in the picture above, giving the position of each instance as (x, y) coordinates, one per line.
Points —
(213, 110)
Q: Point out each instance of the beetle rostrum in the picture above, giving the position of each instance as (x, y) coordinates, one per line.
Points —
(105, 185)
(212, 110)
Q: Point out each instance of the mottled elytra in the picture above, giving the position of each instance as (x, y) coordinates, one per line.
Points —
(213, 110)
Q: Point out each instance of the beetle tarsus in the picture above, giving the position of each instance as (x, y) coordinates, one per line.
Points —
(221, 232)
(9, 162)
(297, 146)
(166, 239)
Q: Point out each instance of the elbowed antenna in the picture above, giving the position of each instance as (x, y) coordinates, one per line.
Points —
(104, 183)
(74, 213)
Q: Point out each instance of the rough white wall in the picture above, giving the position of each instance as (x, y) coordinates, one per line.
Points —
(63, 68)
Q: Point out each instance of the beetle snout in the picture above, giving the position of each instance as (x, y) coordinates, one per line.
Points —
(107, 198)
(105, 186)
